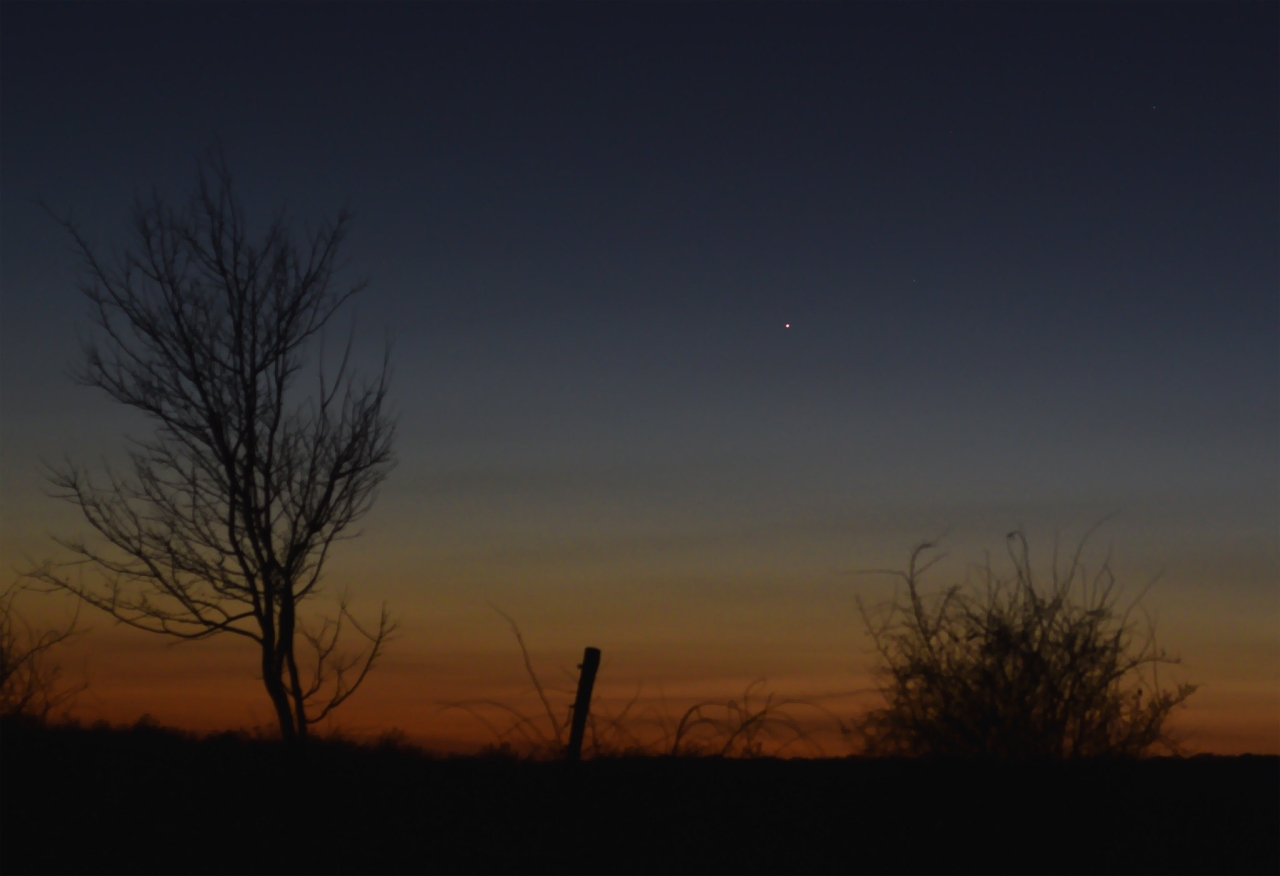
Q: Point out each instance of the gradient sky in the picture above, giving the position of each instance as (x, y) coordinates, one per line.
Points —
(1028, 255)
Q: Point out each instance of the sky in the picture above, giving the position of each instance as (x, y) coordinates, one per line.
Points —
(697, 310)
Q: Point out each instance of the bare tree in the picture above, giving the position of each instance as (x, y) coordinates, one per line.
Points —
(1008, 668)
(30, 683)
(232, 505)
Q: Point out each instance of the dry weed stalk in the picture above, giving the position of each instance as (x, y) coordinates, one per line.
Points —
(757, 724)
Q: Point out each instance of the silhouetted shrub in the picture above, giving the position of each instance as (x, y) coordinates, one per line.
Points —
(1004, 667)
(30, 681)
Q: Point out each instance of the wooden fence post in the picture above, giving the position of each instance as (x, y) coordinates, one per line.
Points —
(582, 703)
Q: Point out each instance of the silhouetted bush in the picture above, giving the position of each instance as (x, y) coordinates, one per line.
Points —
(1005, 667)
(30, 681)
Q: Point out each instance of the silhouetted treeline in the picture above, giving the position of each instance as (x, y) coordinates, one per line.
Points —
(148, 800)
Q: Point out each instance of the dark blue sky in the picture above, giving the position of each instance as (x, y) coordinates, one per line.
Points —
(1028, 253)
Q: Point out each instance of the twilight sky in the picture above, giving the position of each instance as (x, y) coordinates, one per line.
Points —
(1028, 256)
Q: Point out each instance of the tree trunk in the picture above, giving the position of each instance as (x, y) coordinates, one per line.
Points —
(288, 623)
(279, 698)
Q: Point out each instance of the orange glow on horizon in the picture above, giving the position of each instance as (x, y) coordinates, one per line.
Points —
(210, 687)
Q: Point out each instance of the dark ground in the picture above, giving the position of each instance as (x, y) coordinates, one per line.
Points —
(100, 800)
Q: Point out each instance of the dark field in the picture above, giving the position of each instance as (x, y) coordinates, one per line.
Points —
(97, 800)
